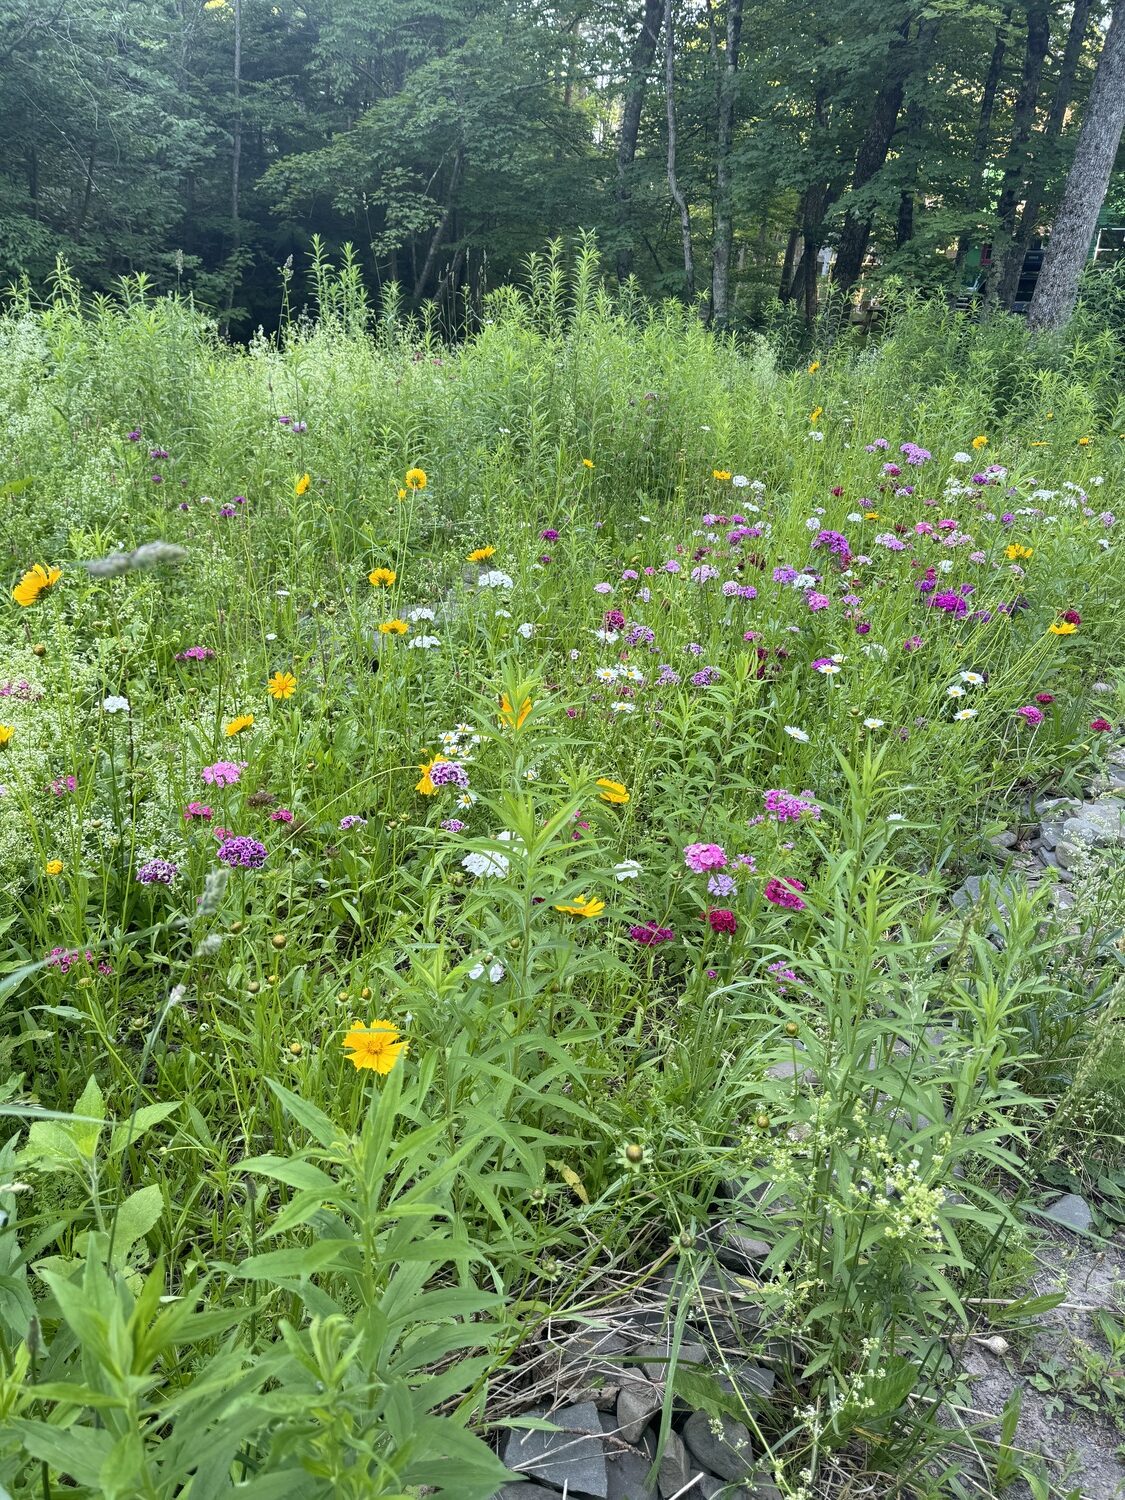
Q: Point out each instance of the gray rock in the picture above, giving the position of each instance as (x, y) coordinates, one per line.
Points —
(1048, 835)
(1098, 824)
(637, 1404)
(981, 887)
(1005, 840)
(737, 1249)
(1072, 1211)
(721, 1445)
(656, 1359)
(524, 1490)
(573, 1457)
(676, 1468)
(584, 1369)
(628, 1473)
(747, 1379)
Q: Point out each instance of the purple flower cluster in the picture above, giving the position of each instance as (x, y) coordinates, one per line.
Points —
(705, 677)
(702, 858)
(63, 784)
(649, 933)
(157, 872)
(1031, 715)
(790, 807)
(64, 959)
(449, 773)
(352, 820)
(223, 772)
(914, 454)
(451, 825)
(640, 635)
(242, 852)
(836, 543)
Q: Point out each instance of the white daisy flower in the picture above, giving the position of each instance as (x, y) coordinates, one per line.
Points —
(974, 679)
(623, 708)
(966, 713)
(628, 869)
(955, 692)
(873, 723)
(796, 734)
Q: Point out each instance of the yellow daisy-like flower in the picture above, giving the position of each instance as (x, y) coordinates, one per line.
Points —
(814, 367)
(416, 479)
(481, 554)
(1015, 551)
(381, 578)
(509, 716)
(401, 493)
(587, 463)
(238, 724)
(282, 685)
(377, 1046)
(1062, 627)
(870, 515)
(33, 583)
(582, 906)
(722, 475)
(393, 627)
(980, 441)
(1038, 443)
(53, 867)
(425, 785)
(301, 485)
(1048, 416)
(816, 414)
(1084, 442)
(612, 791)
(6, 733)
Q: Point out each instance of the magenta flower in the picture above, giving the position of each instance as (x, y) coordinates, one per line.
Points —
(197, 810)
(648, 934)
(721, 920)
(281, 815)
(1031, 715)
(242, 853)
(783, 892)
(223, 772)
(1101, 726)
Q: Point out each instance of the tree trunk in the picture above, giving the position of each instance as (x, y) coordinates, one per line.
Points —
(422, 277)
(984, 120)
(673, 185)
(870, 157)
(1015, 251)
(1057, 288)
(724, 222)
(1023, 118)
(644, 51)
(788, 263)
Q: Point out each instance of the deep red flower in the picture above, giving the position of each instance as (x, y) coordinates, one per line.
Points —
(1101, 726)
(1072, 617)
(721, 920)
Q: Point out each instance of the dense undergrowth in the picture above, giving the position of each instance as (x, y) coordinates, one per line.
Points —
(604, 711)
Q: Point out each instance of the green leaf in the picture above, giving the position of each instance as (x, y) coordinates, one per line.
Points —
(135, 1217)
(293, 1264)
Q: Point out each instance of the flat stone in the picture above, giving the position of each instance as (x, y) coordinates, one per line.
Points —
(1073, 1211)
(573, 1457)
(1098, 824)
(637, 1403)
(747, 1379)
(628, 1470)
(1005, 840)
(583, 1366)
(737, 1249)
(979, 887)
(656, 1359)
(727, 1452)
(676, 1468)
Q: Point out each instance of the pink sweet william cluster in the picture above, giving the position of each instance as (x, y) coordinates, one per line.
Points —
(783, 892)
(700, 858)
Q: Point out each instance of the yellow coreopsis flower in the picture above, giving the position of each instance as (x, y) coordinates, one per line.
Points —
(381, 578)
(6, 733)
(980, 441)
(612, 791)
(53, 867)
(722, 475)
(870, 515)
(401, 493)
(1062, 627)
(377, 1046)
(509, 716)
(582, 906)
(1084, 442)
(393, 627)
(416, 479)
(816, 414)
(301, 485)
(426, 785)
(481, 554)
(1015, 551)
(814, 367)
(238, 724)
(33, 583)
(587, 463)
(282, 685)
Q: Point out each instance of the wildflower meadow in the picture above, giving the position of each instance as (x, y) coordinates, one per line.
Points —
(479, 826)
